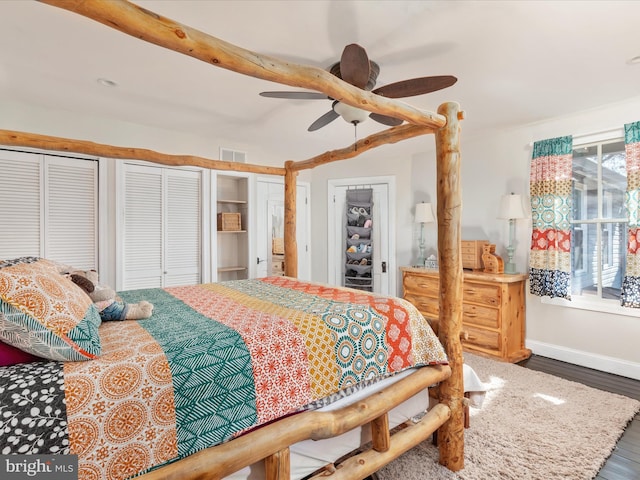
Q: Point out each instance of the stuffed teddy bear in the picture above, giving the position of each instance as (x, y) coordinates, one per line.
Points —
(109, 305)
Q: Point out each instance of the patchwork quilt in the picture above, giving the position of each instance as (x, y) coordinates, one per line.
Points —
(214, 361)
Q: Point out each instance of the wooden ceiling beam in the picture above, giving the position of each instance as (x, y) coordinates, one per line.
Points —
(58, 144)
(391, 135)
(151, 27)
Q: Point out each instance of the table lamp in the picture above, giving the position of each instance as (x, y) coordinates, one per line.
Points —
(511, 209)
(424, 214)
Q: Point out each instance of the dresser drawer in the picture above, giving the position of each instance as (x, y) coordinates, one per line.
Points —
(421, 285)
(428, 306)
(480, 315)
(481, 338)
(486, 294)
(493, 309)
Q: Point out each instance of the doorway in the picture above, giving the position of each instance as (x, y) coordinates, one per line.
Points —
(270, 228)
(382, 233)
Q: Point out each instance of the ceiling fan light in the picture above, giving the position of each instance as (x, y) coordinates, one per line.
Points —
(350, 114)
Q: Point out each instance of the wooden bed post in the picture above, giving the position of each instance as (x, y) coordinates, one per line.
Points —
(451, 434)
(290, 244)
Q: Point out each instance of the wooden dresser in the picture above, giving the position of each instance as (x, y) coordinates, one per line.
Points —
(493, 318)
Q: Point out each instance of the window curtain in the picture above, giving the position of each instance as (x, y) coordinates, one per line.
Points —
(630, 294)
(551, 212)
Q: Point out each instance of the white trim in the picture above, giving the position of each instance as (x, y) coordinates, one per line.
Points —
(597, 137)
(593, 137)
(119, 179)
(594, 304)
(103, 224)
(603, 363)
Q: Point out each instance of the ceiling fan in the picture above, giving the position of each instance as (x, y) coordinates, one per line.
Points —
(355, 68)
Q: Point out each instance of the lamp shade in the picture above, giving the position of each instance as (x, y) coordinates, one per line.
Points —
(424, 213)
(511, 207)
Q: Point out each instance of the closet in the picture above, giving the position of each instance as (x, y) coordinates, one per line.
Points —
(161, 242)
(49, 207)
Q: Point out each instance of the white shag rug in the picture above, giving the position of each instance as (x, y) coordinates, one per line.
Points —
(531, 426)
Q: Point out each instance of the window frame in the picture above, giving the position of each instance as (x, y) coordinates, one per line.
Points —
(588, 302)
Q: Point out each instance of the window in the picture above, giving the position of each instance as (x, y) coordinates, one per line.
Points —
(599, 225)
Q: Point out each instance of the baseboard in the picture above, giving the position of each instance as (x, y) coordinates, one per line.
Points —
(603, 363)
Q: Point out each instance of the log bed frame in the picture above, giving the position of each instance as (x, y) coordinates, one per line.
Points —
(271, 442)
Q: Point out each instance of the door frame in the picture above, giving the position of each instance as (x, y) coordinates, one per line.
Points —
(332, 253)
(300, 207)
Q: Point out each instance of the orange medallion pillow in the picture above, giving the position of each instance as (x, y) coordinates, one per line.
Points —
(44, 313)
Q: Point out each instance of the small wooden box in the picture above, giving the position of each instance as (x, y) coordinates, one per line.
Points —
(277, 246)
(229, 222)
(472, 254)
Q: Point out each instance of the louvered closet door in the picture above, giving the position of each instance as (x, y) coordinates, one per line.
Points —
(71, 211)
(48, 208)
(143, 235)
(20, 204)
(183, 227)
(162, 227)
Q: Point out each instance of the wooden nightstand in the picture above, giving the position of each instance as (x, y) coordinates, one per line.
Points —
(493, 310)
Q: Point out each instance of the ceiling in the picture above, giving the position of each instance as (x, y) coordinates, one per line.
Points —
(516, 62)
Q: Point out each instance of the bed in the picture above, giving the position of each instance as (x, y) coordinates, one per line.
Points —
(213, 361)
(270, 438)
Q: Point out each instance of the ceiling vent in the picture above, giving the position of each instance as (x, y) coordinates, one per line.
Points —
(228, 155)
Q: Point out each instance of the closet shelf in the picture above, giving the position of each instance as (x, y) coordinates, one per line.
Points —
(240, 202)
(231, 269)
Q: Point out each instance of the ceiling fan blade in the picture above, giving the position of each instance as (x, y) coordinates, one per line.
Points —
(325, 119)
(415, 86)
(385, 120)
(295, 95)
(354, 65)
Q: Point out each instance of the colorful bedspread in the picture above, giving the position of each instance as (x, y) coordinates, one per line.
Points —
(213, 361)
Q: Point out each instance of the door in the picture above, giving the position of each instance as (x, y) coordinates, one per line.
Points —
(49, 208)
(161, 219)
(270, 228)
(382, 233)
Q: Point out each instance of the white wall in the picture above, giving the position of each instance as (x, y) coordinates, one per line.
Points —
(497, 163)
(383, 161)
(33, 119)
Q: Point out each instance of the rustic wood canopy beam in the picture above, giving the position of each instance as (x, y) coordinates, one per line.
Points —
(47, 142)
(153, 28)
(290, 242)
(391, 135)
(449, 195)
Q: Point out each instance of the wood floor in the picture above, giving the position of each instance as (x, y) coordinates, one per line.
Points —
(624, 462)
